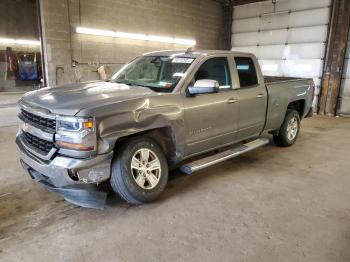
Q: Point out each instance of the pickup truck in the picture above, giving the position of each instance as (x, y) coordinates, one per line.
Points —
(168, 109)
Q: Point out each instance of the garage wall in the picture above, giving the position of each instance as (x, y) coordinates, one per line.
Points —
(344, 108)
(289, 41)
(18, 19)
(199, 19)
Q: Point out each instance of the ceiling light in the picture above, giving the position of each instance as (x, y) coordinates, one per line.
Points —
(27, 42)
(182, 41)
(91, 31)
(7, 41)
(19, 41)
(135, 36)
(131, 36)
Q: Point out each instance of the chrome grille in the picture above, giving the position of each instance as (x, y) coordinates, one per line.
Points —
(45, 124)
(39, 145)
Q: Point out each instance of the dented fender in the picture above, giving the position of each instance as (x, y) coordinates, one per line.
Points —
(122, 119)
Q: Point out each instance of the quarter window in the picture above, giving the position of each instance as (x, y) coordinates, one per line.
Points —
(246, 71)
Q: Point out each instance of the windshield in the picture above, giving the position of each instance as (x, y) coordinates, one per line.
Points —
(160, 73)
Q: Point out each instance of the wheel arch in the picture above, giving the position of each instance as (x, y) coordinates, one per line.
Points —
(297, 105)
(163, 136)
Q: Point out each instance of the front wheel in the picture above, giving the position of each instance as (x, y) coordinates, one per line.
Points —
(289, 130)
(139, 171)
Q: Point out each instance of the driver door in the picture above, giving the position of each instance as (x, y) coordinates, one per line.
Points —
(211, 119)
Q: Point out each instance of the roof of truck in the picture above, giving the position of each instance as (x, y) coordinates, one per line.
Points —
(192, 53)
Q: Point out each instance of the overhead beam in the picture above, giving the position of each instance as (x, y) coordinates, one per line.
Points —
(244, 2)
(334, 59)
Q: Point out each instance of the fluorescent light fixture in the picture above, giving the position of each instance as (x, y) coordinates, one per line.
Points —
(91, 31)
(182, 41)
(19, 41)
(27, 42)
(135, 36)
(162, 39)
(7, 41)
(131, 36)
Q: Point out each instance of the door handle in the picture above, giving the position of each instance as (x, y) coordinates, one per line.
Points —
(260, 96)
(232, 100)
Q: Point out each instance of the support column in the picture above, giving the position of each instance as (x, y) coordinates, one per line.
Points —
(226, 32)
(56, 42)
(335, 55)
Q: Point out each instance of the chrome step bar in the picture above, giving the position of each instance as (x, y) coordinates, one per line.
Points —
(196, 165)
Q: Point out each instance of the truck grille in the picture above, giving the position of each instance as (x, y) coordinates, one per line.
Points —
(39, 145)
(43, 123)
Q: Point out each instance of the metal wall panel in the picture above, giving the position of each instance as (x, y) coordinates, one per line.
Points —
(293, 51)
(308, 34)
(290, 42)
(296, 5)
(309, 68)
(255, 9)
(346, 87)
(346, 70)
(270, 51)
(273, 37)
(344, 107)
(245, 39)
(246, 25)
(309, 17)
(272, 67)
(302, 51)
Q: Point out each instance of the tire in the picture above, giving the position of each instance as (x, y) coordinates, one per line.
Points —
(124, 177)
(285, 138)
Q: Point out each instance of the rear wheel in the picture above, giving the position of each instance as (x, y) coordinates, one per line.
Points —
(139, 171)
(289, 130)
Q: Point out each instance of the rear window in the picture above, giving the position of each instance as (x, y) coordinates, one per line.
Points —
(246, 71)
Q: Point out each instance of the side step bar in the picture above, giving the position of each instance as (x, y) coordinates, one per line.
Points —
(196, 165)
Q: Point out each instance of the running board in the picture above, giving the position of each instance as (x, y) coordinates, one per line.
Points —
(196, 165)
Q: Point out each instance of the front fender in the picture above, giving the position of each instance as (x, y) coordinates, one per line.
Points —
(124, 124)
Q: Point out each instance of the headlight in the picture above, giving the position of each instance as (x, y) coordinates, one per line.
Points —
(64, 123)
(75, 133)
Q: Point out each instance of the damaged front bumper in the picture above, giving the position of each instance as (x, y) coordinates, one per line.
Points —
(74, 179)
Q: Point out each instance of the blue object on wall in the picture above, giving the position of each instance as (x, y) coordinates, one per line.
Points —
(28, 70)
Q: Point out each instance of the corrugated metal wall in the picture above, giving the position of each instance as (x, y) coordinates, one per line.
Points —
(345, 86)
(288, 41)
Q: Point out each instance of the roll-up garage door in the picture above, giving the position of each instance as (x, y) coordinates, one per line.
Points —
(288, 38)
(345, 86)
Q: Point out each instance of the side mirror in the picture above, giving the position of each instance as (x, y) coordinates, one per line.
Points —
(204, 86)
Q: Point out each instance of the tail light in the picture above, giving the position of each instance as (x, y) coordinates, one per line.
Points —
(313, 86)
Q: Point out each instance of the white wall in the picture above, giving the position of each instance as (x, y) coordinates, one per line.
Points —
(289, 42)
(345, 85)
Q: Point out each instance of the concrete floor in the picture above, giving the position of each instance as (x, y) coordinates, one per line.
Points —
(274, 204)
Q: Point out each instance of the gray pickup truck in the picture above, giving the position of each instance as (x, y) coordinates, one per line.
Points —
(169, 109)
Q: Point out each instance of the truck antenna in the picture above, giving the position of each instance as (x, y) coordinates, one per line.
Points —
(189, 50)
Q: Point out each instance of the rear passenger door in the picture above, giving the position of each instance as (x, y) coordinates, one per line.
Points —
(252, 96)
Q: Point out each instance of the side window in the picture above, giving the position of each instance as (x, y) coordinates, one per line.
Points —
(246, 71)
(215, 69)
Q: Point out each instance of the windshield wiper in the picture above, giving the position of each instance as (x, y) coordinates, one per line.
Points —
(132, 83)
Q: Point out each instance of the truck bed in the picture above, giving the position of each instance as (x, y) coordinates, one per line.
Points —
(275, 79)
(281, 92)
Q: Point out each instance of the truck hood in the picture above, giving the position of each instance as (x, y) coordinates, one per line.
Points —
(70, 99)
